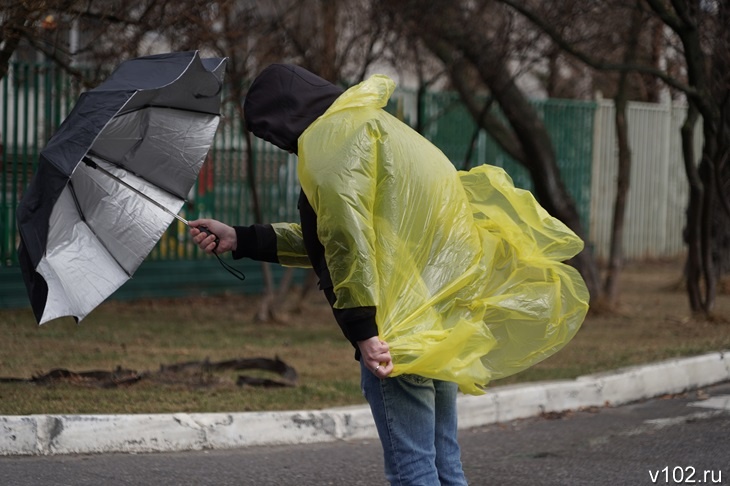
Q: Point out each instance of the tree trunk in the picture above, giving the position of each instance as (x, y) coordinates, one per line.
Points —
(10, 34)
(615, 261)
(707, 174)
(694, 211)
(328, 66)
(701, 277)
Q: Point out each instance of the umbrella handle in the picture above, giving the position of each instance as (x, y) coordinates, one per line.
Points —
(233, 271)
(207, 231)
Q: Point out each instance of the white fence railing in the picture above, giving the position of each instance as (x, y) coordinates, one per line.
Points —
(658, 192)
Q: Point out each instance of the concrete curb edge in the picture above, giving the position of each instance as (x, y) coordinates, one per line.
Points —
(88, 434)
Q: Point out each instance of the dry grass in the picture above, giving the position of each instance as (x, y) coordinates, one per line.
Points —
(652, 324)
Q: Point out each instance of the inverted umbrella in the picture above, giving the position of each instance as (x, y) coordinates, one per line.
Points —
(112, 178)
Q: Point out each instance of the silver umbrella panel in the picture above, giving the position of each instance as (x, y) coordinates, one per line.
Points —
(99, 230)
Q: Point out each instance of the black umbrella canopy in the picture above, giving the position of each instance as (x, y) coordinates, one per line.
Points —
(83, 232)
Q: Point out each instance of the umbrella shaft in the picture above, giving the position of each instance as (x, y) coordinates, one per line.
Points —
(88, 161)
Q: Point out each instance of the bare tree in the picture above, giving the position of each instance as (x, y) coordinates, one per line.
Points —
(17, 19)
(702, 29)
(92, 33)
(469, 38)
(337, 39)
(600, 34)
(41, 25)
(704, 79)
(623, 181)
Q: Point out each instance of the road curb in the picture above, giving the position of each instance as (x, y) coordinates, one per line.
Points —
(89, 434)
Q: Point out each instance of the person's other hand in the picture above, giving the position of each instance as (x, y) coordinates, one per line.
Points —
(206, 241)
(375, 354)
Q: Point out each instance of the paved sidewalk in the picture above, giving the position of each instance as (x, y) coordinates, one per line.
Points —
(72, 434)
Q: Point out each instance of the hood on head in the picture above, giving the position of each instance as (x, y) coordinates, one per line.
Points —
(283, 101)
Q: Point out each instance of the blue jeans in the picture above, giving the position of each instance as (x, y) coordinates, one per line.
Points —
(416, 421)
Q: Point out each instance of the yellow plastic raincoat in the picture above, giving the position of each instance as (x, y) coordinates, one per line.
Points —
(464, 269)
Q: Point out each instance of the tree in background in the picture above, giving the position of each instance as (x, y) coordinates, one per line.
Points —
(702, 28)
(68, 33)
(691, 39)
(473, 41)
(596, 34)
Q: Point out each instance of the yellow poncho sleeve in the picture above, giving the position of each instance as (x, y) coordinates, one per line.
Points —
(290, 245)
(342, 193)
(463, 268)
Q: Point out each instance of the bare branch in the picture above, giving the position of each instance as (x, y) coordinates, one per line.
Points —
(599, 64)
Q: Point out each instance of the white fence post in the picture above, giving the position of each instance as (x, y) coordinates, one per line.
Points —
(658, 189)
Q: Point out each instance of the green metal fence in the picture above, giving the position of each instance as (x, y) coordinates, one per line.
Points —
(36, 98)
(570, 124)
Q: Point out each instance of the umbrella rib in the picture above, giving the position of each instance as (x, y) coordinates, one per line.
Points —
(96, 166)
(144, 107)
(120, 166)
(85, 221)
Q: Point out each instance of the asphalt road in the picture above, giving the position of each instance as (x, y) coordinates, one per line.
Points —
(671, 440)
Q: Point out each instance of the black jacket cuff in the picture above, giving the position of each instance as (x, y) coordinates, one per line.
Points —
(357, 323)
(257, 242)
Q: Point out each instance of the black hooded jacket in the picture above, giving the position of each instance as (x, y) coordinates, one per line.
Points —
(281, 103)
